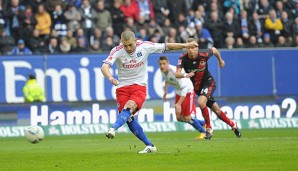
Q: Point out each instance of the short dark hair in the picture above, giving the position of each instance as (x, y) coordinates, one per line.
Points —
(163, 58)
(31, 77)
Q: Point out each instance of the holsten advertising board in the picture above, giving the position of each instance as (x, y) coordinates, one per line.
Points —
(95, 120)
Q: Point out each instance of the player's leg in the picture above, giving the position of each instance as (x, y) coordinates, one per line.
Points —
(188, 107)
(125, 108)
(205, 92)
(139, 96)
(222, 116)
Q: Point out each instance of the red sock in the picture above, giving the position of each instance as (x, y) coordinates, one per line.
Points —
(224, 118)
(206, 117)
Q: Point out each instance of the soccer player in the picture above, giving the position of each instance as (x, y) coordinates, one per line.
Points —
(195, 62)
(131, 61)
(185, 95)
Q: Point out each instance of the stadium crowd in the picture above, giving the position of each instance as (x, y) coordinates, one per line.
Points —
(76, 26)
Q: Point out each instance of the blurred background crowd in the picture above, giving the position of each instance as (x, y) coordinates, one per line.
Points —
(90, 26)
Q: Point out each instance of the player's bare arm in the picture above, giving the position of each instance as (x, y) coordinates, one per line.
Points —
(184, 75)
(221, 62)
(178, 46)
(105, 69)
(165, 91)
(179, 103)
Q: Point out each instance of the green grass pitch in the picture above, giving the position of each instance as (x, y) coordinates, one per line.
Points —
(267, 149)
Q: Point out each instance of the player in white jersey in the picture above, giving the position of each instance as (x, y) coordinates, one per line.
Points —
(131, 61)
(185, 95)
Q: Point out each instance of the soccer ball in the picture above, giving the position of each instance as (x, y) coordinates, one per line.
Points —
(34, 134)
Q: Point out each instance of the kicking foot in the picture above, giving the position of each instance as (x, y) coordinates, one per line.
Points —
(110, 133)
(236, 131)
(148, 149)
(209, 133)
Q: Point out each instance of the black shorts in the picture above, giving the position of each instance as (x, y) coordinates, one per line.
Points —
(207, 89)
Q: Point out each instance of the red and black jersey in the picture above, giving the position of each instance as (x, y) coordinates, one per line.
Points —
(198, 65)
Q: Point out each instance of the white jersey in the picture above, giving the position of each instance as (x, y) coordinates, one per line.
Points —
(132, 68)
(182, 85)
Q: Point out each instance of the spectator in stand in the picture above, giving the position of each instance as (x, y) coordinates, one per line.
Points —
(214, 8)
(152, 26)
(64, 46)
(107, 44)
(81, 48)
(142, 35)
(51, 5)
(81, 36)
(172, 35)
(129, 9)
(235, 4)
(205, 38)
(282, 42)
(117, 17)
(189, 32)
(76, 3)
(216, 27)
(6, 43)
(96, 36)
(21, 49)
(287, 27)
(53, 46)
(71, 40)
(239, 43)
(130, 24)
(95, 47)
(266, 41)
(176, 8)
(166, 26)
(37, 43)
(43, 21)
(181, 21)
(229, 43)
(231, 27)
(13, 16)
(244, 26)
(252, 42)
(256, 27)
(28, 21)
(103, 17)
(263, 10)
(295, 42)
(199, 18)
(110, 33)
(73, 17)
(145, 9)
(295, 28)
(88, 18)
(279, 8)
(190, 18)
(273, 26)
(59, 21)
(34, 4)
(2, 17)
(161, 10)
(141, 23)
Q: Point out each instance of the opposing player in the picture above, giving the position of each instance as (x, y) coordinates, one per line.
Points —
(131, 61)
(185, 95)
(204, 83)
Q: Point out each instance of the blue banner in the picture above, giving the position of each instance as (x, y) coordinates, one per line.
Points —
(78, 77)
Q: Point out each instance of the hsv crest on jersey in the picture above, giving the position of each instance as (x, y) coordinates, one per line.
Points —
(139, 54)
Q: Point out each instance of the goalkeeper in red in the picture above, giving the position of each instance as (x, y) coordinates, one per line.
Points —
(131, 61)
(195, 61)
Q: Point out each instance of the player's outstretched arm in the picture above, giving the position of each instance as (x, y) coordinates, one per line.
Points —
(221, 62)
(178, 46)
(105, 69)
